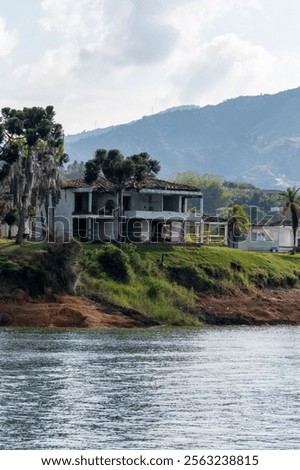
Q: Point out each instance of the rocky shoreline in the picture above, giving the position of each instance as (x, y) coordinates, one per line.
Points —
(265, 307)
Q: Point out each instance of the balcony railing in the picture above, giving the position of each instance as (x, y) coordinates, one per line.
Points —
(144, 214)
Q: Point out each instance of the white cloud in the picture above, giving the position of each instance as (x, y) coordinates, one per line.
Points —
(8, 39)
(111, 33)
(72, 19)
(197, 18)
(125, 57)
(54, 65)
(100, 37)
(226, 66)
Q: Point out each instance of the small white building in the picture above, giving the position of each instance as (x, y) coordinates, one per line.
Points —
(269, 236)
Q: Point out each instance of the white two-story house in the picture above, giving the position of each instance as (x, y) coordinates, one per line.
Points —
(150, 211)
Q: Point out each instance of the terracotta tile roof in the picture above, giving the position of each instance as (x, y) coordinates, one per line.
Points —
(78, 183)
(103, 185)
(154, 183)
(100, 185)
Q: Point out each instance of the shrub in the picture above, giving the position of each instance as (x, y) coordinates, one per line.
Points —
(216, 272)
(115, 263)
(61, 266)
(154, 291)
(131, 251)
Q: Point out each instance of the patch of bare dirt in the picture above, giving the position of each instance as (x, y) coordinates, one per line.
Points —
(264, 307)
(65, 311)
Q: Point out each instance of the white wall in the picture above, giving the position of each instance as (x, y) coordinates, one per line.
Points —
(266, 238)
(5, 229)
(99, 201)
(144, 202)
(176, 232)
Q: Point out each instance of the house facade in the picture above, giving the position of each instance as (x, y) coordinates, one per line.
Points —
(269, 236)
(152, 211)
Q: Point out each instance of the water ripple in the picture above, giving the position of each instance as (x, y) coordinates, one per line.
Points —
(150, 389)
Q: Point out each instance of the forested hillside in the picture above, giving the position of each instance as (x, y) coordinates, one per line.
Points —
(254, 139)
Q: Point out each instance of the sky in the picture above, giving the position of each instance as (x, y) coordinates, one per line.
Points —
(107, 62)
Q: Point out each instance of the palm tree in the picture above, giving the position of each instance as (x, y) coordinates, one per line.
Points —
(292, 205)
(238, 224)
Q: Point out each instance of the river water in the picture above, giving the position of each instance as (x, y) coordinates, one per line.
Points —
(160, 388)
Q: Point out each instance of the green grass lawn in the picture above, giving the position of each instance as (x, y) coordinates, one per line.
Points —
(9, 247)
(14, 258)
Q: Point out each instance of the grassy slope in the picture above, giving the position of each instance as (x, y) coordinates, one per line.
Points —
(163, 281)
(15, 257)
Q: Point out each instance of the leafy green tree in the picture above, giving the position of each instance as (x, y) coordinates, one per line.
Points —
(215, 195)
(118, 169)
(246, 194)
(30, 154)
(74, 170)
(219, 193)
(291, 200)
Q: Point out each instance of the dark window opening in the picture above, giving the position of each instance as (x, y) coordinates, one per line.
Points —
(81, 202)
(126, 203)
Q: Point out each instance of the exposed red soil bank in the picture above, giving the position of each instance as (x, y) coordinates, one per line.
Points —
(65, 311)
(271, 307)
(245, 308)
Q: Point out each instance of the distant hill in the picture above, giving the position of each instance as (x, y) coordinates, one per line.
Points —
(250, 138)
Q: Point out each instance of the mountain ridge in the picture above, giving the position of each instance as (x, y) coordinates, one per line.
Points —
(249, 138)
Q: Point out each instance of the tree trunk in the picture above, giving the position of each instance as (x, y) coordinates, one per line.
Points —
(121, 214)
(294, 240)
(295, 224)
(23, 217)
(25, 199)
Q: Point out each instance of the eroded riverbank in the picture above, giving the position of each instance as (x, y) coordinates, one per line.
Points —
(70, 285)
(66, 311)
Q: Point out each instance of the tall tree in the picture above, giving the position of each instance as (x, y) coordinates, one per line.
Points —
(5, 202)
(219, 193)
(215, 195)
(291, 200)
(120, 170)
(30, 154)
(74, 170)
